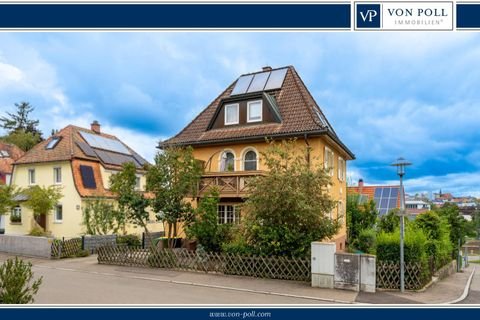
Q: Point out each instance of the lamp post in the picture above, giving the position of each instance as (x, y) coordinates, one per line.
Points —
(401, 163)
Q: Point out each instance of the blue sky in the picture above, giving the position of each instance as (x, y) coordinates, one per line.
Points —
(387, 95)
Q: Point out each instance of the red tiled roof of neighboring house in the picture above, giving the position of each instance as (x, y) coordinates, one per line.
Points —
(299, 113)
(369, 191)
(6, 162)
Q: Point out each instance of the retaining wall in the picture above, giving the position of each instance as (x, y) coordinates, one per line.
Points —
(26, 245)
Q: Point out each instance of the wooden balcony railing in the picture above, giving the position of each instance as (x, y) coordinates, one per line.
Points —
(229, 184)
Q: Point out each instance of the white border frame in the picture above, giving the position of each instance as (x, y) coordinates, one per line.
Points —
(244, 152)
(234, 160)
(238, 113)
(248, 111)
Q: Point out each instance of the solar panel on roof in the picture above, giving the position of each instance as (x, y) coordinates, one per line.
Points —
(139, 159)
(394, 193)
(378, 192)
(258, 82)
(100, 142)
(276, 79)
(242, 84)
(88, 177)
(86, 149)
(115, 158)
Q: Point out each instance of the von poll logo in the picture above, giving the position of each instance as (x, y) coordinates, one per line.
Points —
(404, 15)
(368, 16)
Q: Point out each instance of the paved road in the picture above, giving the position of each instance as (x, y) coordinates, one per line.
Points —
(474, 293)
(83, 281)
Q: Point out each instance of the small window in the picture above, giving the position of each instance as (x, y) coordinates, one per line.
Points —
(31, 176)
(16, 215)
(52, 143)
(88, 177)
(137, 183)
(341, 169)
(228, 214)
(227, 162)
(254, 111)
(250, 161)
(4, 154)
(57, 175)
(231, 114)
(329, 161)
(58, 213)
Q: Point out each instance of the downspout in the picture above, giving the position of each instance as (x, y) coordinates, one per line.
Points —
(305, 137)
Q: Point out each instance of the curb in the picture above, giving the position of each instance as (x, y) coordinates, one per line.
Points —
(465, 290)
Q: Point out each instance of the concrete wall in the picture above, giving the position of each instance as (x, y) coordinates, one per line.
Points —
(368, 273)
(26, 245)
(92, 243)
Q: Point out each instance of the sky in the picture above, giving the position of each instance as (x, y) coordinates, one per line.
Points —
(387, 95)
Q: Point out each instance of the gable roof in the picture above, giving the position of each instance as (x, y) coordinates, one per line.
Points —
(383, 203)
(298, 111)
(8, 154)
(69, 148)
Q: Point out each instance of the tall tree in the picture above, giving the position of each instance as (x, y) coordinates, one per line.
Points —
(172, 179)
(20, 121)
(289, 207)
(360, 216)
(131, 202)
(7, 193)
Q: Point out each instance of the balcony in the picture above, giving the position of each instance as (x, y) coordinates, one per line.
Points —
(229, 184)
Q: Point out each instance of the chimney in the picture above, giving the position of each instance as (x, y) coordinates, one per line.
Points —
(95, 126)
(360, 186)
(267, 68)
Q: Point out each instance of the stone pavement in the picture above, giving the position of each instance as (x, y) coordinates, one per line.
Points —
(191, 287)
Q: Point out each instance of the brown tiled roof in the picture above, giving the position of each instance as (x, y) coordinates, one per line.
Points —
(299, 112)
(66, 149)
(14, 153)
(99, 191)
(369, 191)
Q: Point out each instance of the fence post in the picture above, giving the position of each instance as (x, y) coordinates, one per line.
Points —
(83, 242)
(143, 240)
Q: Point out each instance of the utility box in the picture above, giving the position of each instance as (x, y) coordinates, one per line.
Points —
(347, 271)
(323, 264)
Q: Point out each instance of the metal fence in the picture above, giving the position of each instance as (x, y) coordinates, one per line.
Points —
(233, 264)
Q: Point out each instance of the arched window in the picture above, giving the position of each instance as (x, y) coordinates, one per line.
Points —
(227, 162)
(250, 161)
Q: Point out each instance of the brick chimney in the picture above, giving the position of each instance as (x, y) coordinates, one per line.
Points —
(267, 68)
(95, 126)
(360, 186)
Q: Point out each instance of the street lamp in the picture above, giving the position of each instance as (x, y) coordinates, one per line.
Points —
(401, 163)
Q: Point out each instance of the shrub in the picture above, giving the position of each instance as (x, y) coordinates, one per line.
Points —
(82, 253)
(37, 232)
(130, 240)
(16, 286)
(388, 246)
(366, 241)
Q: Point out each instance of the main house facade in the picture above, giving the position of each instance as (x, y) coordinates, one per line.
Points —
(230, 134)
(79, 162)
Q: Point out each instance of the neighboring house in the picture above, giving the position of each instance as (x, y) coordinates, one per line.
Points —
(229, 136)
(80, 162)
(416, 207)
(8, 154)
(386, 198)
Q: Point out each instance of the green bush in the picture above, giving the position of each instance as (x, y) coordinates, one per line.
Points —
(16, 286)
(37, 232)
(82, 253)
(367, 240)
(130, 240)
(238, 246)
(388, 246)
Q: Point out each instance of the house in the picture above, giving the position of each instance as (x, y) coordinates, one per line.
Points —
(80, 162)
(8, 154)
(416, 206)
(386, 198)
(229, 136)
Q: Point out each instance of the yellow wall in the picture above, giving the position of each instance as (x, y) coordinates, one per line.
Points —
(212, 156)
(107, 173)
(73, 204)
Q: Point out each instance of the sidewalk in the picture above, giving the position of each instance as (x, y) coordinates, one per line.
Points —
(441, 292)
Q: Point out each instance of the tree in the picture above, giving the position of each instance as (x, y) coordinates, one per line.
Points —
(23, 140)
(389, 222)
(289, 207)
(41, 200)
(20, 120)
(16, 286)
(172, 179)
(7, 194)
(131, 202)
(360, 217)
(101, 217)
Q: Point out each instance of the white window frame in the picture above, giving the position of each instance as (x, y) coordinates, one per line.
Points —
(329, 161)
(224, 219)
(244, 153)
(57, 170)
(30, 182)
(55, 217)
(249, 103)
(138, 182)
(237, 107)
(17, 211)
(220, 159)
(341, 169)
